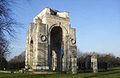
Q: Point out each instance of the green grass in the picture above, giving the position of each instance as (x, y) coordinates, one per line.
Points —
(109, 74)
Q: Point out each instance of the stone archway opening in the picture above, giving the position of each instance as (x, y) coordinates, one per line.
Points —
(55, 54)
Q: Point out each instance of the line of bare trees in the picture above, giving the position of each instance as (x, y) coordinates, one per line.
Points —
(105, 61)
(17, 63)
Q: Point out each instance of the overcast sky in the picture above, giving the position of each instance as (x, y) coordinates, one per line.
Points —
(97, 23)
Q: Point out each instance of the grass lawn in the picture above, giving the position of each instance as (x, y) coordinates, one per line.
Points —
(109, 74)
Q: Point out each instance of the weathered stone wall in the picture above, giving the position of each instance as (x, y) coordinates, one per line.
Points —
(38, 40)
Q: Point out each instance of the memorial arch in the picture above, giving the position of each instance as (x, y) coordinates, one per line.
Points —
(51, 43)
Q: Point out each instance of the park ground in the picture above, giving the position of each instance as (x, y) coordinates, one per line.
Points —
(114, 73)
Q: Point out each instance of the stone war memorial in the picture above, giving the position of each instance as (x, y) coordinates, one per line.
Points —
(51, 43)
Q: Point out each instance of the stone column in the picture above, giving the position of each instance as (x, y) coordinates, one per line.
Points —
(74, 65)
(94, 63)
(73, 50)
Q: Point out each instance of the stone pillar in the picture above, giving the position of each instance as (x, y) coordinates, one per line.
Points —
(54, 60)
(94, 63)
(74, 65)
(63, 64)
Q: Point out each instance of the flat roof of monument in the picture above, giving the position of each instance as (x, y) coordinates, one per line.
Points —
(64, 14)
(51, 9)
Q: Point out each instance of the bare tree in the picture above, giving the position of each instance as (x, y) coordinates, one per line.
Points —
(7, 25)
